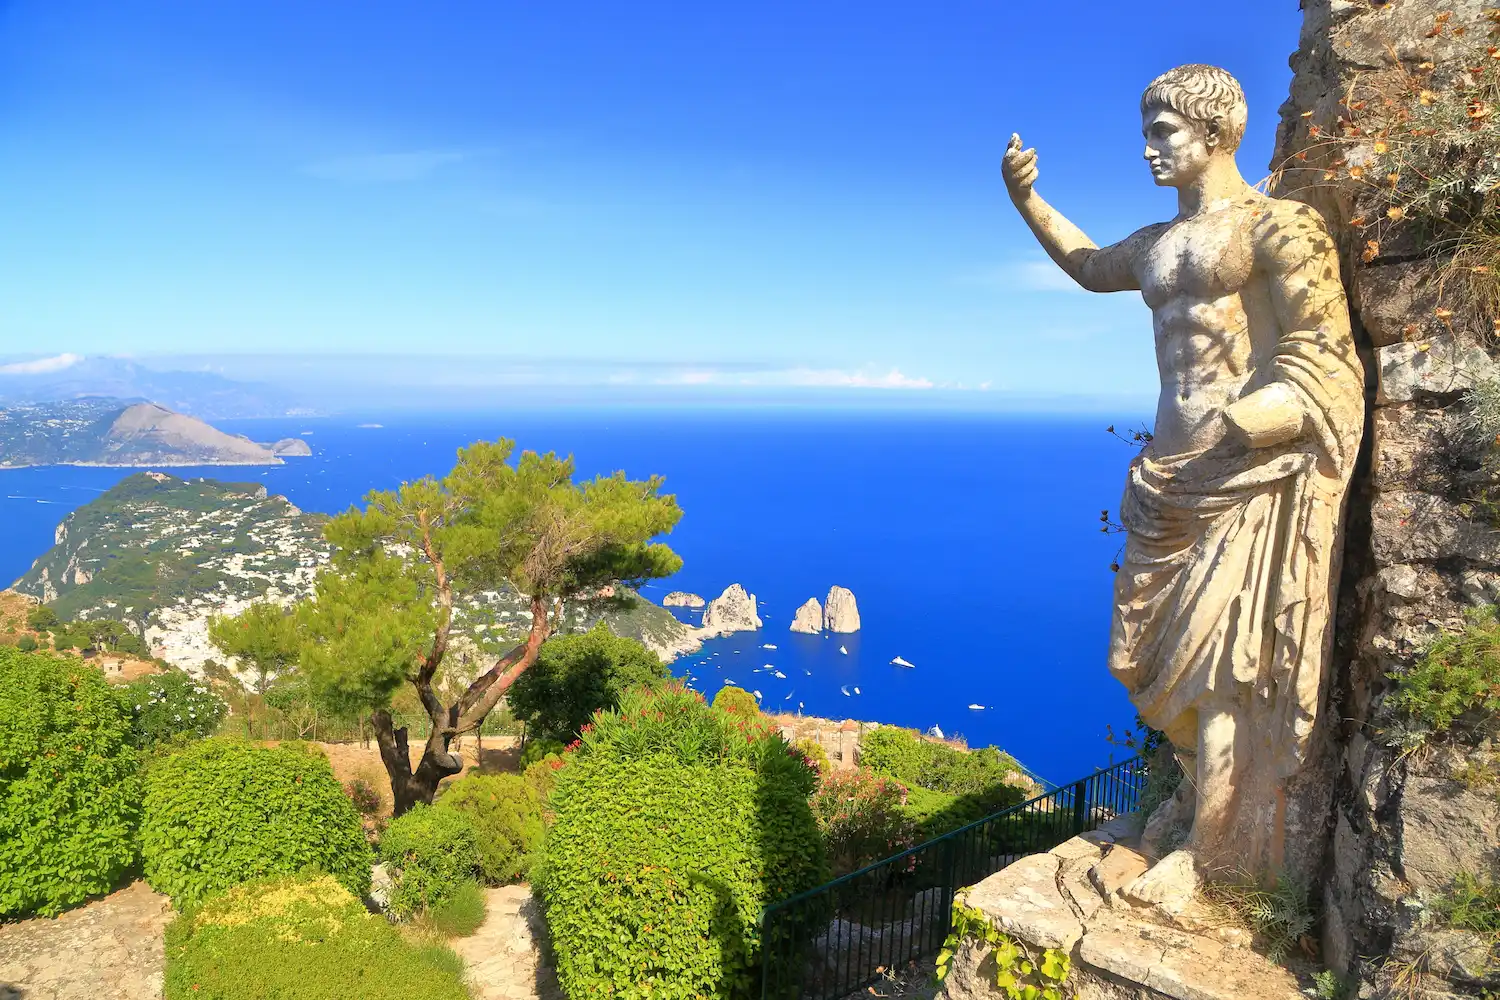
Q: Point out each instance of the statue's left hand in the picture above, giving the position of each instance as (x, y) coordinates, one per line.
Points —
(1271, 415)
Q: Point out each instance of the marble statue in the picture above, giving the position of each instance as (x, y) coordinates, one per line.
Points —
(1223, 599)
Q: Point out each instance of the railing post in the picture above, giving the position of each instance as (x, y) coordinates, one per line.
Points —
(1080, 807)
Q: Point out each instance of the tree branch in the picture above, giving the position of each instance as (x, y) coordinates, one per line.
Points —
(490, 686)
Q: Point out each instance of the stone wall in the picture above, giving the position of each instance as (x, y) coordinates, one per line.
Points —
(1417, 552)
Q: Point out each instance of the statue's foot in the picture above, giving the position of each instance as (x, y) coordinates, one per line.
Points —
(1168, 884)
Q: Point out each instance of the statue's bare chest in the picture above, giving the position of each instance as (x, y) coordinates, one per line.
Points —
(1203, 259)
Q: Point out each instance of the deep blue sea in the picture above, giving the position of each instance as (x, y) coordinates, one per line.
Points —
(971, 542)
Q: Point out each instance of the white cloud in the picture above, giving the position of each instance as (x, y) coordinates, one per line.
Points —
(376, 168)
(1031, 275)
(823, 378)
(892, 379)
(41, 366)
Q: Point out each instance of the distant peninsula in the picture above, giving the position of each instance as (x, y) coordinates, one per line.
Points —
(106, 431)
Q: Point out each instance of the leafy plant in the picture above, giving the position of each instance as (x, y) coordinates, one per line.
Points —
(861, 818)
(221, 812)
(1459, 672)
(308, 938)
(736, 701)
(676, 825)
(1020, 973)
(536, 750)
(1472, 903)
(165, 705)
(912, 759)
(505, 812)
(431, 852)
(575, 676)
(813, 752)
(1328, 986)
(26, 644)
(1280, 912)
(69, 787)
(365, 796)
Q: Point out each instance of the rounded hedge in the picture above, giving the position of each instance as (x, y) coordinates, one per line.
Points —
(223, 812)
(736, 701)
(69, 785)
(431, 852)
(676, 824)
(505, 811)
(575, 676)
(308, 938)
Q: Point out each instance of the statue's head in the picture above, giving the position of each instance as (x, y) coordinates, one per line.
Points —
(1190, 115)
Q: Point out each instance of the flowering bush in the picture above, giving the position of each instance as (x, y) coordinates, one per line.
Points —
(165, 705)
(861, 818)
(676, 824)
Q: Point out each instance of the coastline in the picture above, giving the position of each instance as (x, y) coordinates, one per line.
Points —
(174, 464)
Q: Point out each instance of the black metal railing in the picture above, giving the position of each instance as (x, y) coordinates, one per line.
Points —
(836, 939)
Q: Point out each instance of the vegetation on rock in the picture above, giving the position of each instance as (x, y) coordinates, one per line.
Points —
(1459, 672)
(69, 787)
(222, 812)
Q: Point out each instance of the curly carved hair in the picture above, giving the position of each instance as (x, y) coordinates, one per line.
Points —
(1204, 95)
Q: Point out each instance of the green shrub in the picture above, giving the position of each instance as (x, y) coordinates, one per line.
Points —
(861, 818)
(42, 619)
(365, 796)
(536, 750)
(575, 676)
(505, 812)
(979, 776)
(26, 644)
(736, 701)
(302, 938)
(813, 751)
(69, 784)
(222, 812)
(936, 813)
(165, 705)
(676, 824)
(1459, 672)
(430, 853)
(461, 913)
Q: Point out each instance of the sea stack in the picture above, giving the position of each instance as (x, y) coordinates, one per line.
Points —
(731, 611)
(291, 448)
(809, 617)
(682, 599)
(840, 613)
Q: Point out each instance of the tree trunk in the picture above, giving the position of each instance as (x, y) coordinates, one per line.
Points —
(409, 787)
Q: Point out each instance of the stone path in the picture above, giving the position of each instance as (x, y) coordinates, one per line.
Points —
(110, 949)
(504, 955)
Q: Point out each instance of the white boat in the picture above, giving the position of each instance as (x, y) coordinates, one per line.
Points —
(781, 675)
(769, 645)
(901, 661)
(844, 689)
(844, 650)
(856, 690)
(977, 708)
(936, 731)
(757, 695)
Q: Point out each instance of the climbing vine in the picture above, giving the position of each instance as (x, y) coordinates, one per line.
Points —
(1018, 972)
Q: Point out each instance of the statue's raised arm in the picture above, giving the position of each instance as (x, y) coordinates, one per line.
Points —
(1110, 269)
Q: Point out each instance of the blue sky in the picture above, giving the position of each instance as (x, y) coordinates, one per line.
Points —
(705, 195)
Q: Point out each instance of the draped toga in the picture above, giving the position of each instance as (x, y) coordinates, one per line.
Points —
(1224, 594)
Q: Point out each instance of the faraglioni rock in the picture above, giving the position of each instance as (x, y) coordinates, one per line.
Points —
(731, 611)
(841, 613)
(809, 617)
(682, 599)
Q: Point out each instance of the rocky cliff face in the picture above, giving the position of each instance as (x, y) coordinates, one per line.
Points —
(840, 612)
(809, 617)
(732, 611)
(1420, 543)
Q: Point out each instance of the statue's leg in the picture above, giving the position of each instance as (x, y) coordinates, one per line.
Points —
(1169, 823)
(1219, 754)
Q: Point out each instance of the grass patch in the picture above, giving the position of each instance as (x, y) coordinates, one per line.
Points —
(1460, 672)
(461, 913)
(1471, 904)
(1280, 914)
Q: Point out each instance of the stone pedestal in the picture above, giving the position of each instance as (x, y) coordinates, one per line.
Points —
(1071, 899)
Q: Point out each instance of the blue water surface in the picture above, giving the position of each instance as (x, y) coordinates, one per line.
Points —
(972, 543)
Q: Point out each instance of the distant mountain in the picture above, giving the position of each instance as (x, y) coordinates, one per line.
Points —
(118, 432)
(200, 394)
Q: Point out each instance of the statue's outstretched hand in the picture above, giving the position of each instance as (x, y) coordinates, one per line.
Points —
(1019, 168)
